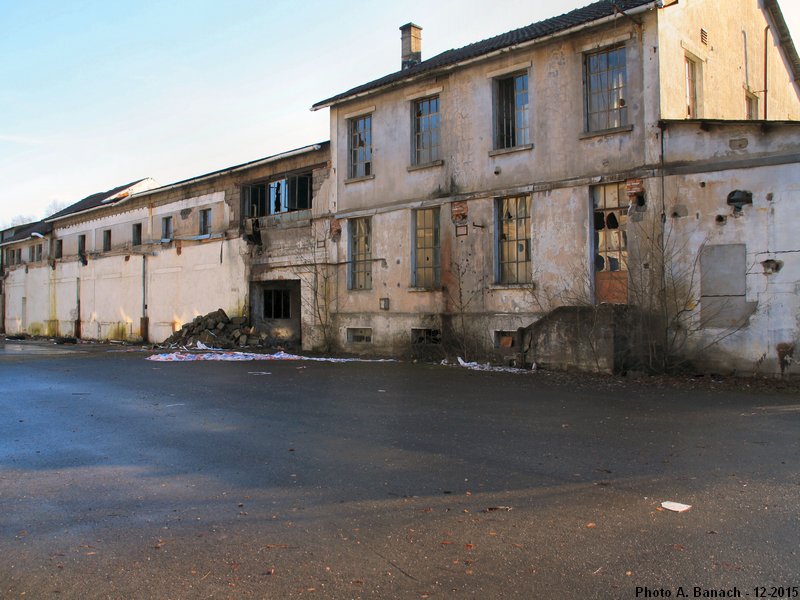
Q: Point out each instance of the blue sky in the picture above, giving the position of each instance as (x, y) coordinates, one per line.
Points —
(96, 93)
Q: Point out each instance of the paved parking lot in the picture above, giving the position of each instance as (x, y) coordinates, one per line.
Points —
(125, 478)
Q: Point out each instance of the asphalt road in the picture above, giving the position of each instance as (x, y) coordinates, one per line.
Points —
(125, 478)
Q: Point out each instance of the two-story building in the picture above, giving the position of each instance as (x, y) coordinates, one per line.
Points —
(484, 187)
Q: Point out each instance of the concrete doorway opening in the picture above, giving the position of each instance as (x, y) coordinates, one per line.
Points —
(275, 311)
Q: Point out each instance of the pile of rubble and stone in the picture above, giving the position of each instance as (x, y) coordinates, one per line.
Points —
(217, 330)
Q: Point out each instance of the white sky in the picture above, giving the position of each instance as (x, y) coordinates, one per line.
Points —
(94, 94)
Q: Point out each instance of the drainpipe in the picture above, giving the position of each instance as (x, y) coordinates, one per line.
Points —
(144, 323)
(766, 42)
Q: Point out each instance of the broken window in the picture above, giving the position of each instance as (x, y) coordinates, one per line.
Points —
(205, 221)
(359, 335)
(426, 337)
(166, 229)
(277, 304)
(426, 130)
(59, 249)
(427, 267)
(106, 240)
(511, 111)
(513, 240)
(284, 195)
(360, 254)
(605, 79)
(136, 234)
(610, 206)
(360, 146)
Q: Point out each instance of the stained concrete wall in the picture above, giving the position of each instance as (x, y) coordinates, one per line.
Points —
(730, 63)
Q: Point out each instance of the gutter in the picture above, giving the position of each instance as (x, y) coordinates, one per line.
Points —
(492, 54)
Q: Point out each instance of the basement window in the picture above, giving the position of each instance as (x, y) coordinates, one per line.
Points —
(359, 335)
(504, 339)
(426, 337)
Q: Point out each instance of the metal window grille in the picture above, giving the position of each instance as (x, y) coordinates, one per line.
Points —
(360, 254)
(427, 262)
(361, 335)
(610, 222)
(605, 76)
(277, 304)
(426, 337)
(514, 239)
(426, 130)
(512, 127)
(360, 146)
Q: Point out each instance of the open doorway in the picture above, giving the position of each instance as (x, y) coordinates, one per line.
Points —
(275, 311)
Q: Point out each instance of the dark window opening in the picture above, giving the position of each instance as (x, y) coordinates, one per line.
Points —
(277, 304)
(136, 234)
(281, 196)
(511, 112)
(166, 228)
(359, 335)
(106, 240)
(205, 221)
(426, 336)
(59, 249)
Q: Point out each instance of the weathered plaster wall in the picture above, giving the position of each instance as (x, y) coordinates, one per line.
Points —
(731, 63)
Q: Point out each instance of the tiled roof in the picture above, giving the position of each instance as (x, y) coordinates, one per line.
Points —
(23, 232)
(92, 201)
(580, 16)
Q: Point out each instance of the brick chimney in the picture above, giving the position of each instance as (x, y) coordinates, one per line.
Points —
(411, 45)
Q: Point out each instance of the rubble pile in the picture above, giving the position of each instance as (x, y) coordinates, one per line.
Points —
(217, 330)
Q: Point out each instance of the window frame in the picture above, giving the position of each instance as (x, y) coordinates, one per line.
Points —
(167, 229)
(58, 250)
(619, 106)
(751, 106)
(426, 130)
(205, 221)
(427, 277)
(511, 132)
(603, 245)
(691, 70)
(360, 253)
(136, 234)
(520, 228)
(106, 240)
(359, 161)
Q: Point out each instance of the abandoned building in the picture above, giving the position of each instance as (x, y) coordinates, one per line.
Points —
(613, 187)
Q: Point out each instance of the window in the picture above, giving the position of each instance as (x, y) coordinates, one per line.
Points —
(426, 263)
(31, 253)
(360, 147)
(426, 130)
(511, 112)
(604, 85)
(106, 240)
(610, 204)
(426, 337)
(513, 240)
(285, 195)
(59, 249)
(359, 335)
(38, 252)
(751, 106)
(136, 234)
(19, 256)
(205, 221)
(277, 304)
(691, 88)
(360, 254)
(166, 228)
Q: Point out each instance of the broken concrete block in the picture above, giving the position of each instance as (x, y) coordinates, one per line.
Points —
(239, 321)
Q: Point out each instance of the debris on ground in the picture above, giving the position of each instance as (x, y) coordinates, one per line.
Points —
(486, 367)
(675, 506)
(217, 330)
(219, 355)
